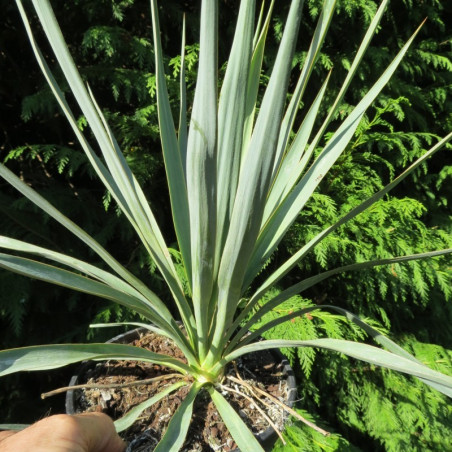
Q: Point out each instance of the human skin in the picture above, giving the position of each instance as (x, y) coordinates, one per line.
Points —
(89, 432)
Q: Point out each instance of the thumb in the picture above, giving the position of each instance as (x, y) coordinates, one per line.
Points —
(98, 433)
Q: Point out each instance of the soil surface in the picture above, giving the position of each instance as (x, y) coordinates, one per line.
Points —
(207, 431)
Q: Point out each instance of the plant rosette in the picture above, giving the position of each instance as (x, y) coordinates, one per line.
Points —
(241, 164)
(115, 387)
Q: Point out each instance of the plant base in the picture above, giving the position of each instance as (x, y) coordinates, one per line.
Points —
(268, 370)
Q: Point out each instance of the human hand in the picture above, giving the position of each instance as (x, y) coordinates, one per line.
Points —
(89, 432)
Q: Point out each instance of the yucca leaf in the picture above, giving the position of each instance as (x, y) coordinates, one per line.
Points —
(183, 126)
(277, 225)
(106, 285)
(88, 269)
(55, 275)
(288, 173)
(245, 440)
(298, 169)
(363, 352)
(113, 156)
(111, 152)
(74, 281)
(260, 19)
(152, 238)
(121, 183)
(44, 357)
(231, 119)
(313, 280)
(202, 171)
(252, 87)
(37, 199)
(131, 416)
(254, 179)
(172, 331)
(311, 58)
(309, 282)
(145, 326)
(175, 434)
(350, 73)
(375, 334)
(304, 285)
(371, 331)
(98, 166)
(256, 167)
(173, 154)
(15, 427)
(292, 261)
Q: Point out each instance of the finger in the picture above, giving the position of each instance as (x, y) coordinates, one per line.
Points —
(98, 433)
(4, 435)
(93, 432)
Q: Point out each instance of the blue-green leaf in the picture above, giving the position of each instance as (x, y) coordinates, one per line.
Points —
(44, 357)
(242, 435)
(131, 416)
(174, 437)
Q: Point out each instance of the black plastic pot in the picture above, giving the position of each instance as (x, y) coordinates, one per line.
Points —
(124, 338)
(266, 438)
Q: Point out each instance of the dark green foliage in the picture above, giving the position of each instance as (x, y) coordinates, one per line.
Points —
(111, 43)
(399, 414)
(301, 438)
(413, 300)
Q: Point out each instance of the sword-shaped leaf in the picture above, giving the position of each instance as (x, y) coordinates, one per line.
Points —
(202, 171)
(183, 126)
(173, 149)
(292, 261)
(278, 224)
(254, 179)
(363, 352)
(231, 120)
(314, 49)
(44, 357)
(15, 427)
(121, 181)
(252, 87)
(288, 173)
(55, 275)
(313, 280)
(237, 428)
(88, 269)
(175, 434)
(131, 416)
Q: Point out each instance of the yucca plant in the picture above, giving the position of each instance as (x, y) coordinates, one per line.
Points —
(238, 176)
